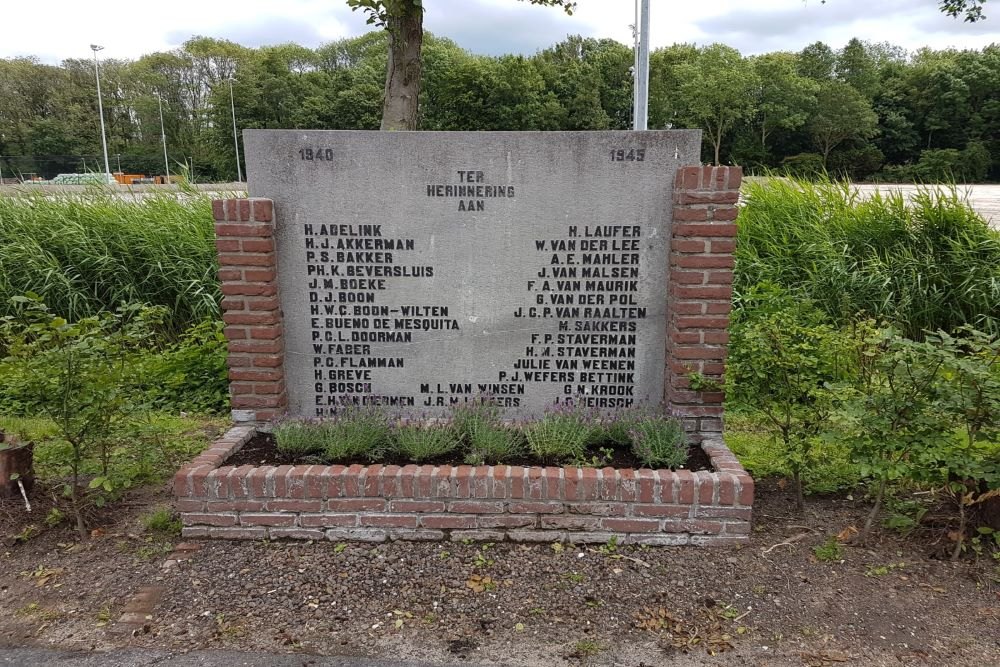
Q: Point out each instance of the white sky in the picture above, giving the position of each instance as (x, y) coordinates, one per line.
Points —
(56, 29)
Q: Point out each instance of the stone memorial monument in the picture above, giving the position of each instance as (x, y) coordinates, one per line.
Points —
(416, 271)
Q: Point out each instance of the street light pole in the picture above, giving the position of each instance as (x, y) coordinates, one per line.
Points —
(642, 71)
(236, 141)
(163, 135)
(100, 109)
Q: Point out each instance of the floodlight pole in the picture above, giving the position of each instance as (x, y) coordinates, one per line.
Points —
(236, 141)
(100, 109)
(163, 136)
(641, 113)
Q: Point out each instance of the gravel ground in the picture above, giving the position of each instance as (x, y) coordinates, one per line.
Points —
(770, 603)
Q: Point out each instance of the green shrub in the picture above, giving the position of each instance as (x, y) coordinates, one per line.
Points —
(89, 253)
(562, 434)
(425, 442)
(492, 443)
(356, 432)
(298, 439)
(466, 417)
(190, 375)
(933, 264)
(791, 366)
(658, 442)
(78, 375)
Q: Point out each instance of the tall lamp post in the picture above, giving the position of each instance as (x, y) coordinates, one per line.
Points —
(100, 109)
(163, 136)
(236, 141)
(641, 90)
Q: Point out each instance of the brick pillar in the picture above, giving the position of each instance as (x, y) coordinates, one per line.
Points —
(701, 276)
(244, 238)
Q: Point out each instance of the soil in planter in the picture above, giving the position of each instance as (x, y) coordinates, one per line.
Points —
(262, 451)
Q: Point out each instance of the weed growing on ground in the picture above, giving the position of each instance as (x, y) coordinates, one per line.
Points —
(162, 521)
(830, 551)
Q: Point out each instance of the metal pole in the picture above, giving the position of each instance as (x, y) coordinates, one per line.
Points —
(100, 110)
(236, 141)
(163, 135)
(642, 92)
(118, 156)
(635, 67)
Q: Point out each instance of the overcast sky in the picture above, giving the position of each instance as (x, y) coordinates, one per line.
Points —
(56, 29)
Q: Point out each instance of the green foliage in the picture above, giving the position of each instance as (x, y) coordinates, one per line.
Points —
(563, 433)
(190, 375)
(163, 521)
(829, 552)
(492, 443)
(76, 374)
(930, 265)
(788, 363)
(356, 432)
(420, 442)
(658, 442)
(298, 439)
(88, 254)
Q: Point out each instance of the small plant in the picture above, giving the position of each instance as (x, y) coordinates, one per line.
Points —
(162, 521)
(563, 433)
(491, 443)
(882, 570)
(299, 439)
(830, 551)
(466, 417)
(611, 547)
(425, 442)
(586, 648)
(659, 442)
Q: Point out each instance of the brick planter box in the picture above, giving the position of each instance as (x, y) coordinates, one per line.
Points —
(525, 504)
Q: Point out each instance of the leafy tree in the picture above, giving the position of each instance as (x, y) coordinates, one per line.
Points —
(786, 98)
(841, 114)
(717, 89)
(817, 61)
(404, 22)
(857, 67)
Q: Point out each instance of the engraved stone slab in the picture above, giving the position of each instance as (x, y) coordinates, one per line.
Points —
(418, 270)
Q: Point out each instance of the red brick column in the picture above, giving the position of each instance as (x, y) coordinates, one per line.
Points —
(701, 276)
(244, 233)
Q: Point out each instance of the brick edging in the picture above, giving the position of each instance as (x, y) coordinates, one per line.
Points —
(528, 504)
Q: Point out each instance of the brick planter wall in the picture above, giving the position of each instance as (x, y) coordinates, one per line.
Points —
(376, 503)
(525, 504)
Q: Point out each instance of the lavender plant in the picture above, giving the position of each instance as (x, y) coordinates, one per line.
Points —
(658, 442)
(563, 433)
(420, 442)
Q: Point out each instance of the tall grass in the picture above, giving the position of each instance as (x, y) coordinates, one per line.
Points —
(932, 264)
(88, 253)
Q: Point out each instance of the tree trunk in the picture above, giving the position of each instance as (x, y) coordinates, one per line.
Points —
(402, 76)
(800, 503)
(870, 521)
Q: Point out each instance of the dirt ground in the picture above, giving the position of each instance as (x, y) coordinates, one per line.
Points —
(769, 603)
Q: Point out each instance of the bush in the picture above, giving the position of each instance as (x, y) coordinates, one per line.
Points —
(930, 265)
(563, 433)
(88, 254)
(804, 165)
(425, 442)
(299, 440)
(492, 443)
(791, 366)
(659, 442)
(190, 375)
(78, 375)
